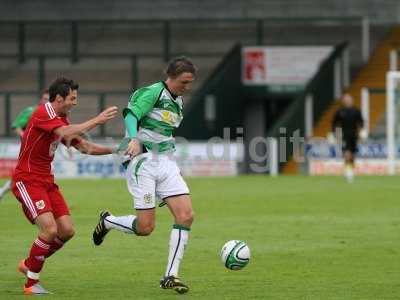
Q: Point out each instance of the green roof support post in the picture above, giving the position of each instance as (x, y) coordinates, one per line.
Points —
(166, 40)
(134, 72)
(365, 38)
(41, 73)
(7, 110)
(102, 106)
(21, 42)
(74, 42)
(260, 32)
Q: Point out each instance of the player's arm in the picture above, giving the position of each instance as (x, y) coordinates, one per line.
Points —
(336, 121)
(331, 136)
(86, 147)
(360, 121)
(19, 131)
(361, 131)
(131, 128)
(69, 132)
(140, 104)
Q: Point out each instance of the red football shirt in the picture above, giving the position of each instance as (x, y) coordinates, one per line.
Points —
(39, 144)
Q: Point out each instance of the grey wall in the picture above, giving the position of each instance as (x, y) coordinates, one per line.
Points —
(381, 11)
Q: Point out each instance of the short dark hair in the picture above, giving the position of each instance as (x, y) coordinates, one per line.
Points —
(44, 91)
(179, 65)
(61, 86)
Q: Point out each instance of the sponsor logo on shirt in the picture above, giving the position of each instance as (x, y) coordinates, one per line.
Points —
(169, 117)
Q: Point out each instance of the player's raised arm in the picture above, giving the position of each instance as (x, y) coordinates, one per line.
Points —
(69, 132)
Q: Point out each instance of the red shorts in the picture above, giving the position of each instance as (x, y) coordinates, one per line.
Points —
(38, 197)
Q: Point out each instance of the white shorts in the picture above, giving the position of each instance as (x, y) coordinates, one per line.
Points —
(150, 176)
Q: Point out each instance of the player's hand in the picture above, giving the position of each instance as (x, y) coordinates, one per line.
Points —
(133, 148)
(19, 131)
(363, 134)
(331, 138)
(107, 115)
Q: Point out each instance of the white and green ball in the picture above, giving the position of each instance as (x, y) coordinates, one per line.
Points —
(235, 254)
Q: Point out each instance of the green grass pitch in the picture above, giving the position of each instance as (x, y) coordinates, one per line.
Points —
(311, 238)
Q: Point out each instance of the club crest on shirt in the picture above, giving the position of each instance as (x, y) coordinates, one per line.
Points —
(147, 198)
(40, 204)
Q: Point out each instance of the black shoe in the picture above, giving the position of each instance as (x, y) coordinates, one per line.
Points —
(172, 282)
(100, 231)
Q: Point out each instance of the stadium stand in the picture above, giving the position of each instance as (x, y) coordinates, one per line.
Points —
(113, 48)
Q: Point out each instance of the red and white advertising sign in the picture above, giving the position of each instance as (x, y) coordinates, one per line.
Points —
(7, 166)
(282, 65)
(362, 167)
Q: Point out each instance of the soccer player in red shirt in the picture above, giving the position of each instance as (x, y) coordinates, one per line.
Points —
(19, 125)
(33, 182)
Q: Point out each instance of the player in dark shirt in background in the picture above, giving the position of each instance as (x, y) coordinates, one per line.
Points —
(346, 125)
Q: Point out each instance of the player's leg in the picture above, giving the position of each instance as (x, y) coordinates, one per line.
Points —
(65, 231)
(141, 185)
(65, 226)
(350, 148)
(181, 209)
(36, 205)
(175, 193)
(141, 224)
(39, 252)
(348, 166)
(5, 188)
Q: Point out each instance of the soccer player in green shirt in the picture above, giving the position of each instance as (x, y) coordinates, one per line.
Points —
(152, 115)
(18, 126)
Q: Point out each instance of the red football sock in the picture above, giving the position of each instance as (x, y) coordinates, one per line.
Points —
(39, 251)
(55, 246)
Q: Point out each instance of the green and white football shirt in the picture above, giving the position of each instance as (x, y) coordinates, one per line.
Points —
(23, 118)
(159, 113)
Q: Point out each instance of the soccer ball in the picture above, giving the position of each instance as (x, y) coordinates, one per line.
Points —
(235, 254)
